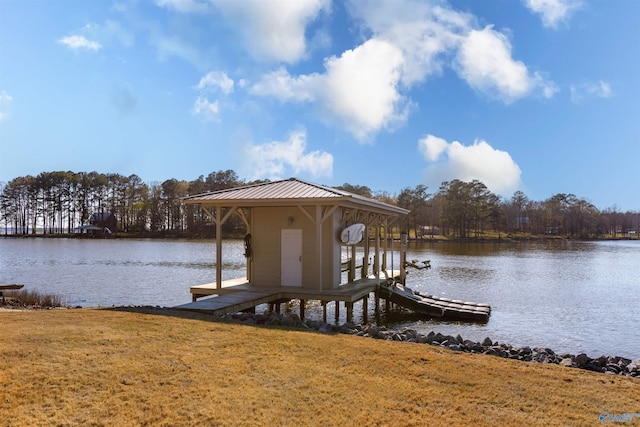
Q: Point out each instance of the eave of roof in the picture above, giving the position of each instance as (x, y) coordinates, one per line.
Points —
(290, 192)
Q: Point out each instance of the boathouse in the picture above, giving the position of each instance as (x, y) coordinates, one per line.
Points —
(293, 247)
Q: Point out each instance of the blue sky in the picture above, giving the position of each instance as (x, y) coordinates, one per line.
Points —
(541, 96)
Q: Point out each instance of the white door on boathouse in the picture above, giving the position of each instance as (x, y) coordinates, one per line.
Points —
(291, 257)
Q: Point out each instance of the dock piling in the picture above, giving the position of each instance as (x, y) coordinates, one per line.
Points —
(365, 308)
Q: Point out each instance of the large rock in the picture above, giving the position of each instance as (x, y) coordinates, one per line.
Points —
(568, 362)
(581, 360)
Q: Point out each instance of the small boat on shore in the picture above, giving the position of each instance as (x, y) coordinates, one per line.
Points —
(5, 287)
(433, 306)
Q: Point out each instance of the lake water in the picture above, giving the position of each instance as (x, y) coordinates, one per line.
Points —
(569, 296)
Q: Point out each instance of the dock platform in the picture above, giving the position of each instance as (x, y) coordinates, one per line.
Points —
(238, 295)
(230, 302)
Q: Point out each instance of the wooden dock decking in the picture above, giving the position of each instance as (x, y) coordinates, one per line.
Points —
(238, 295)
(230, 302)
(349, 292)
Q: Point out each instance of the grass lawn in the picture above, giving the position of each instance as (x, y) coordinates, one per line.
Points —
(94, 367)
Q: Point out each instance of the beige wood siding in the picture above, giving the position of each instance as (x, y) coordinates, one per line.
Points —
(331, 244)
(267, 226)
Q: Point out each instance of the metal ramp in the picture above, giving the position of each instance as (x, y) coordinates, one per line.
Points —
(435, 307)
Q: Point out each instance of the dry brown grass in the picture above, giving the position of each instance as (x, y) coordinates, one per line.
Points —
(28, 298)
(120, 368)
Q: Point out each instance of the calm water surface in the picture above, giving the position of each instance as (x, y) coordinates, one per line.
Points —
(569, 296)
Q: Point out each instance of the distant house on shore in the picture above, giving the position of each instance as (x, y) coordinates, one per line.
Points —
(100, 223)
(103, 220)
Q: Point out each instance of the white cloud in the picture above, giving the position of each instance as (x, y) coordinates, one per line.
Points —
(484, 60)
(284, 87)
(206, 110)
(600, 89)
(425, 32)
(184, 6)
(553, 12)
(214, 80)
(495, 168)
(5, 99)
(175, 46)
(93, 36)
(431, 35)
(359, 89)
(362, 90)
(210, 83)
(432, 147)
(76, 42)
(108, 31)
(275, 160)
(274, 30)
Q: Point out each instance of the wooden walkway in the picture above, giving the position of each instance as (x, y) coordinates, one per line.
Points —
(238, 294)
(229, 303)
(349, 292)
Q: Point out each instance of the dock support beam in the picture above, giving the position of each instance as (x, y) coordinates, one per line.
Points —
(324, 311)
(365, 308)
(302, 302)
(349, 311)
(218, 247)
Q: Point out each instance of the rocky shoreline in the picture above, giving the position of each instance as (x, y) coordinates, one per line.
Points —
(612, 365)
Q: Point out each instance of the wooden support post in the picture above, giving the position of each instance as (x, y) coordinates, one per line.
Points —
(353, 263)
(349, 311)
(218, 220)
(318, 221)
(302, 302)
(365, 308)
(384, 245)
(337, 312)
(404, 239)
(377, 309)
(324, 311)
(365, 259)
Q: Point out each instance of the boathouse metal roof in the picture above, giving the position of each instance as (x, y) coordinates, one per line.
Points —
(290, 192)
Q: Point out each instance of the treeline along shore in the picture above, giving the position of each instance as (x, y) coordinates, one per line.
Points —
(58, 203)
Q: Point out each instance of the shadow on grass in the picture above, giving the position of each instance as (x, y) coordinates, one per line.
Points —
(170, 312)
